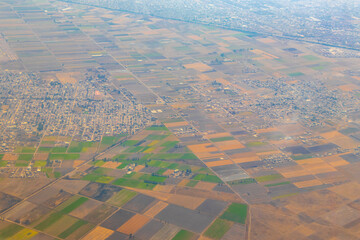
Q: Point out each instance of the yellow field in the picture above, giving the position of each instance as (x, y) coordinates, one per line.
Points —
(309, 183)
(134, 224)
(154, 210)
(99, 233)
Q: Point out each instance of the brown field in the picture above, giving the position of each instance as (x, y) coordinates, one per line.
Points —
(348, 87)
(185, 201)
(309, 183)
(205, 185)
(206, 155)
(229, 145)
(20, 187)
(246, 159)
(204, 77)
(345, 142)
(77, 163)
(134, 224)
(99, 233)
(41, 156)
(335, 161)
(266, 130)
(61, 225)
(293, 171)
(50, 138)
(154, 210)
(111, 164)
(314, 203)
(138, 168)
(168, 172)
(163, 188)
(316, 165)
(202, 148)
(219, 163)
(264, 54)
(85, 209)
(348, 190)
(10, 157)
(266, 40)
(198, 66)
(218, 135)
(183, 182)
(71, 186)
(176, 124)
(181, 105)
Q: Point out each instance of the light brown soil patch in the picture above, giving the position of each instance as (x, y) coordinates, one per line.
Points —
(205, 186)
(41, 156)
(218, 135)
(154, 210)
(202, 148)
(10, 157)
(219, 163)
(348, 190)
(176, 124)
(183, 182)
(309, 183)
(99, 233)
(70, 77)
(185, 201)
(77, 163)
(134, 224)
(229, 145)
(198, 66)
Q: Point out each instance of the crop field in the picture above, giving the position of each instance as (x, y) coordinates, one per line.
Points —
(218, 229)
(184, 235)
(236, 212)
(122, 197)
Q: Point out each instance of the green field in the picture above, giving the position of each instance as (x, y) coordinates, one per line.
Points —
(221, 139)
(53, 218)
(157, 128)
(122, 197)
(21, 163)
(236, 212)
(64, 156)
(218, 229)
(28, 150)
(9, 231)
(242, 181)
(72, 229)
(129, 143)
(311, 57)
(25, 157)
(39, 164)
(1, 156)
(277, 184)
(207, 178)
(58, 149)
(148, 177)
(295, 74)
(110, 140)
(192, 183)
(77, 147)
(301, 157)
(71, 204)
(184, 235)
(267, 178)
(3, 163)
(133, 183)
(44, 149)
(156, 137)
